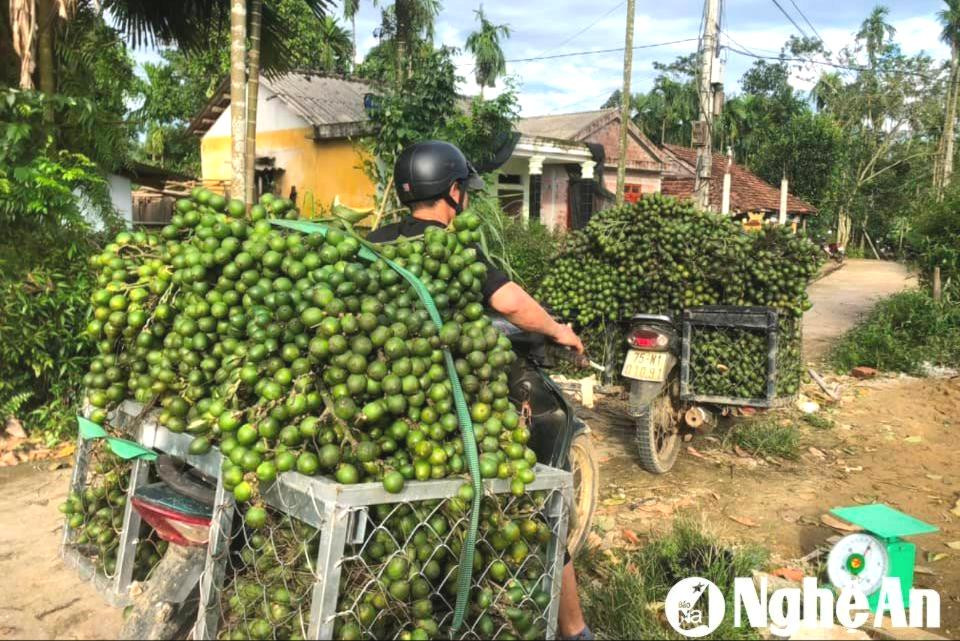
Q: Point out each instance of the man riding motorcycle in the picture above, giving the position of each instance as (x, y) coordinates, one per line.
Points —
(433, 178)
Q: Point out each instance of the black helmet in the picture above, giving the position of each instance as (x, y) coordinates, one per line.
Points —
(426, 170)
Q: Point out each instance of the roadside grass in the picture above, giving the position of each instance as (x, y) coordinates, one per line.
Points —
(623, 595)
(765, 436)
(819, 422)
(903, 332)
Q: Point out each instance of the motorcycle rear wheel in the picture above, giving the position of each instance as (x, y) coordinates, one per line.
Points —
(586, 480)
(658, 435)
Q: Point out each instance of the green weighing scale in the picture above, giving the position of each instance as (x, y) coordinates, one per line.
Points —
(862, 560)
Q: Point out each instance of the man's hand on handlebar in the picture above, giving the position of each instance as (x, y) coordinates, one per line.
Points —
(565, 336)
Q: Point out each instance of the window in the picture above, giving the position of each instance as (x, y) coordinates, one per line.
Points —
(632, 192)
(535, 197)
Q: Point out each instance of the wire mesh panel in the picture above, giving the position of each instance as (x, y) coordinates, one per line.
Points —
(789, 357)
(324, 560)
(730, 355)
(103, 537)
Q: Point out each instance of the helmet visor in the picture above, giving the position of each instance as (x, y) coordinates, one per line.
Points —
(473, 182)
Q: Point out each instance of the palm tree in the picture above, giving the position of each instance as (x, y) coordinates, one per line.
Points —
(335, 54)
(413, 20)
(875, 31)
(350, 8)
(484, 44)
(187, 23)
(950, 19)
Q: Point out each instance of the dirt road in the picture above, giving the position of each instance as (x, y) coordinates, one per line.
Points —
(41, 598)
(844, 296)
(890, 440)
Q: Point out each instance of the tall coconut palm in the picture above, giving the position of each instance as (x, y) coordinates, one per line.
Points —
(350, 8)
(950, 19)
(484, 44)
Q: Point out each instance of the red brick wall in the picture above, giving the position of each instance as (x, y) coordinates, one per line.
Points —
(609, 137)
(649, 181)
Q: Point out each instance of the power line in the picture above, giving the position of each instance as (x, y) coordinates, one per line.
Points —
(825, 63)
(805, 19)
(585, 29)
(596, 51)
(790, 18)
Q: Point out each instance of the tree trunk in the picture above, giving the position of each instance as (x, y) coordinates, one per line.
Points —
(253, 90)
(238, 112)
(46, 71)
(353, 50)
(946, 164)
(401, 9)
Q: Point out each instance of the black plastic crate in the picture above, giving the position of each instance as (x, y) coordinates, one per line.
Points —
(730, 355)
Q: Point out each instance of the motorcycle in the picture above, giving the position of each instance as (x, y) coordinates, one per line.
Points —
(179, 508)
(558, 436)
(653, 366)
(834, 251)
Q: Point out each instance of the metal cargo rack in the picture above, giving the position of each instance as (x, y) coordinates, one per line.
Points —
(345, 525)
(134, 420)
(728, 317)
(340, 513)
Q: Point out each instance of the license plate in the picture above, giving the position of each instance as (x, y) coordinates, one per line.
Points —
(645, 366)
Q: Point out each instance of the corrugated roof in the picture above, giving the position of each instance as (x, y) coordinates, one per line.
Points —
(323, 101)
(561, 126)
(332, 104)
(748, 192)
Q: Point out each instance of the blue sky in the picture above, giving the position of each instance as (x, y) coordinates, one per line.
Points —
(584, 82)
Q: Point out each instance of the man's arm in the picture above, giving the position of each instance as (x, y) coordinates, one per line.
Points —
(523, 311)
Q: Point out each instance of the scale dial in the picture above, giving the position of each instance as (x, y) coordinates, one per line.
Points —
(858, 561)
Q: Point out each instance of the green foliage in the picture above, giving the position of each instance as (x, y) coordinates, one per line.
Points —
(818, 422)
(12, 405)
(903, 332)
(618, 597)
(44, 280)
(523, 249)
(484, 44)
(38, 183)
(426, 106)
(93, 64)
(766, 437)
(176, 89)
(933, 239)
(45, 286)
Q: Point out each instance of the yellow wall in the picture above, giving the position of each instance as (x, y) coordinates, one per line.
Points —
(323, 169)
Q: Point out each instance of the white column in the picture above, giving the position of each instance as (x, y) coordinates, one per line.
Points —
(783, 200)
(525, 208)
(725, 201)
(586, 169)
(536, 165)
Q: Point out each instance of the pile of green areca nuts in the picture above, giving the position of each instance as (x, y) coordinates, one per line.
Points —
(662, 255)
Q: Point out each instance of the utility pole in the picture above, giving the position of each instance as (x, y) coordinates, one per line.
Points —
(625, 103)
(702, 130)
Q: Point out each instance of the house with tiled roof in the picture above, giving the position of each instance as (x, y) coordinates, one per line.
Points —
(564, 167)
(749, 194)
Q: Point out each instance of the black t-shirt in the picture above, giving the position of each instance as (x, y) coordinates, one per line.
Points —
(410, 226)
